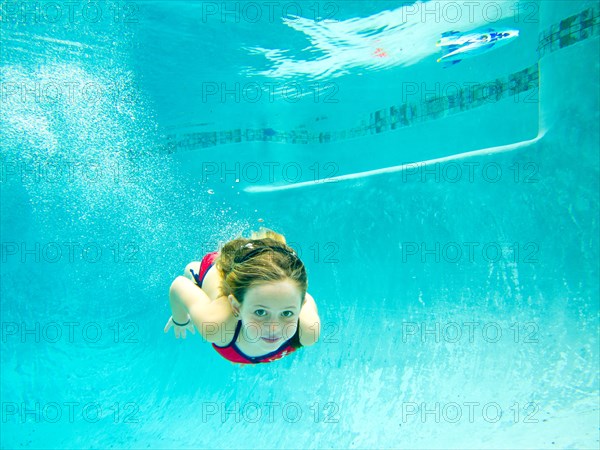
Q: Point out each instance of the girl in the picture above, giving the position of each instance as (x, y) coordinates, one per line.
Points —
(249, 300)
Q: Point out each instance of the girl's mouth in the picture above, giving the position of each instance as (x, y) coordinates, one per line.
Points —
(270, 341)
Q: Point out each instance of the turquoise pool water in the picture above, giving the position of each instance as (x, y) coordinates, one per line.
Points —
(447, 217)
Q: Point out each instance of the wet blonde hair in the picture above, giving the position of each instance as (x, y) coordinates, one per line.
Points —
(263, 258)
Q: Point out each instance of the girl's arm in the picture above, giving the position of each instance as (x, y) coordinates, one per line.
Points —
(310, 323)
(209, 316)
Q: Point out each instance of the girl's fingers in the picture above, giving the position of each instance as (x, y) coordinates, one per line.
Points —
(180, 332)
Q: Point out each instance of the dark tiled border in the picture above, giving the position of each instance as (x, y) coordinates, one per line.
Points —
(569, 31)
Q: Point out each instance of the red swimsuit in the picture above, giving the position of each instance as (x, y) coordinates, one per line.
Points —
(231, 351)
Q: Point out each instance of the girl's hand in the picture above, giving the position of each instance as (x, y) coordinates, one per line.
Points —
(180, 330)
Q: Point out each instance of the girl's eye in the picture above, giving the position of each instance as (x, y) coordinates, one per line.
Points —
(291, 313)
(259, 312)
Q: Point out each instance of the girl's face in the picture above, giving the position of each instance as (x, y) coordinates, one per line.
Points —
(269, 313)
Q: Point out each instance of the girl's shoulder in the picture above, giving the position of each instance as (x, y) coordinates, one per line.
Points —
(210, 285)
(225, 322)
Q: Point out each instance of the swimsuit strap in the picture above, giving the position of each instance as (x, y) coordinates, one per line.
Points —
(196, 277)
(238, 328)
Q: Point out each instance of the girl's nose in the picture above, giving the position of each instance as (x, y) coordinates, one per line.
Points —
(274, 328)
